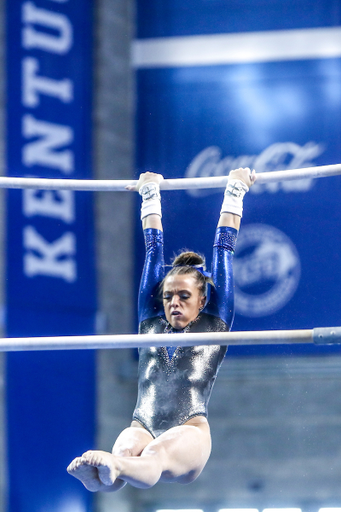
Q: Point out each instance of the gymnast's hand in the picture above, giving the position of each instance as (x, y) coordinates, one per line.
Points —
(146, 177)
(245, 175)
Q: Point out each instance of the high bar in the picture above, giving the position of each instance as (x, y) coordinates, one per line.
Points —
(319, 336)
(167, 184)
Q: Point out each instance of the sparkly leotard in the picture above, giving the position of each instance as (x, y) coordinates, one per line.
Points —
(172, 388)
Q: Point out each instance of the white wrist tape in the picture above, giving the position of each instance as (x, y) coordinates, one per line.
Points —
(233, 197)
(151, 200)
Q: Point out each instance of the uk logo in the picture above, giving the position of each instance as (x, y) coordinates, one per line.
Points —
(267, 270)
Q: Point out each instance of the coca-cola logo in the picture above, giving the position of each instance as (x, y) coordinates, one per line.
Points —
(278, 156)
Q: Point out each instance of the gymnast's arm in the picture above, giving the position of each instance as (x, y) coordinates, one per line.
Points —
(149, 305)
(221, 302)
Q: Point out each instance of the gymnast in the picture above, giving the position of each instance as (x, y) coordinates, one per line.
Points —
(169, 438)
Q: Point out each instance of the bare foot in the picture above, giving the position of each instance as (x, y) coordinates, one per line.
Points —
(87, 474)
(105, 463)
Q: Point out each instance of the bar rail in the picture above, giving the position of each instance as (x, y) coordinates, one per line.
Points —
(167, 184)
(319, 336)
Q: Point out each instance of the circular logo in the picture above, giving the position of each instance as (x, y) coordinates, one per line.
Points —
(267, 270)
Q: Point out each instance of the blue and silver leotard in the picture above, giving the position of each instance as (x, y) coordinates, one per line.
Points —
(172, 388)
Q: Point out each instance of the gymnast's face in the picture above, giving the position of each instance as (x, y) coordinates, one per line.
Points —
(182, 300)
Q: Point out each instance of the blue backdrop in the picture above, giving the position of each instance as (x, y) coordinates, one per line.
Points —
(204, 121)
(162, 18)
(50, 251)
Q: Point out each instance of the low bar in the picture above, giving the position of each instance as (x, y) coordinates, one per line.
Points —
(167, 184)
(158, 340)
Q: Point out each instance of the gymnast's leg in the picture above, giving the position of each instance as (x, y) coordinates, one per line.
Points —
(130, 443)
(178, 455)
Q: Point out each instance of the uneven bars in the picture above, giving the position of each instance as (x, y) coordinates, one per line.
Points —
(319, 336)
(167, 184)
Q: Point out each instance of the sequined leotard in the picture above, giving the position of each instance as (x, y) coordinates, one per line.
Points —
(172, 388)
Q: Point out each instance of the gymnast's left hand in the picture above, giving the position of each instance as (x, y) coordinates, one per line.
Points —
(146, 177)
(245, 175)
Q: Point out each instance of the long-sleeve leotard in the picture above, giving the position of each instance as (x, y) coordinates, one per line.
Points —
(171, 390)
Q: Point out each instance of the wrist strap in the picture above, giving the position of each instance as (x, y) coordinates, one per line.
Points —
(150, 190)
(151, 200)
(233, 197)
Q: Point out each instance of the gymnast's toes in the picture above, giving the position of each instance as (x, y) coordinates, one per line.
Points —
(75, 464)
(93, 458)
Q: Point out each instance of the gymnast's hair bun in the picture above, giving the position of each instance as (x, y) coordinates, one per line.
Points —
(189, 258)
(185, 264)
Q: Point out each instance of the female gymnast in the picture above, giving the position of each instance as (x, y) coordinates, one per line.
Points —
(169, 438)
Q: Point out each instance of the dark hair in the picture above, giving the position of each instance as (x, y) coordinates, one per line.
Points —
(184, 264)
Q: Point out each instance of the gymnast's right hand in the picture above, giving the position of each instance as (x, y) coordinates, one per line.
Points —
(144, 178)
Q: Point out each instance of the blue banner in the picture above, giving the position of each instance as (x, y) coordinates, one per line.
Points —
(51, 288)
(205, 121)
(177, 18)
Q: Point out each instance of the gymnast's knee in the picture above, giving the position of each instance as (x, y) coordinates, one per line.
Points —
(122, 452)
